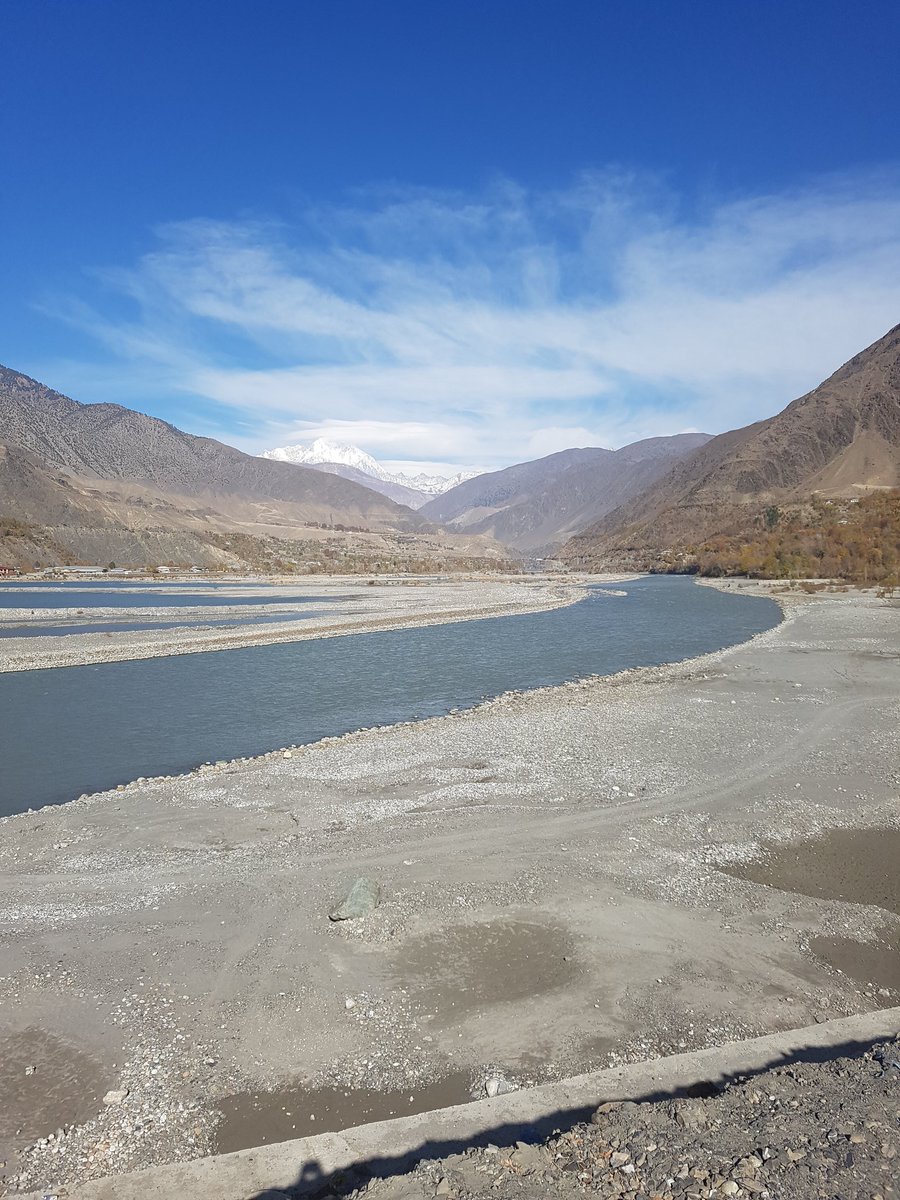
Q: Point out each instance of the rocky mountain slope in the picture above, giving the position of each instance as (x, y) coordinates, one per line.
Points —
(535, 506)
(107, 441)
(840, 440)
(351, 462)
(101, 482)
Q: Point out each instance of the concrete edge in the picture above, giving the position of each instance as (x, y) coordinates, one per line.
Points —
(391, 1146)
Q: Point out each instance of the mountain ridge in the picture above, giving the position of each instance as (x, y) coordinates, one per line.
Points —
(535, 506)
(101, 482)
(839, 440)
(109, 441)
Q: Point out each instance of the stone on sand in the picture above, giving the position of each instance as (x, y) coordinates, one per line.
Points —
(363, 898)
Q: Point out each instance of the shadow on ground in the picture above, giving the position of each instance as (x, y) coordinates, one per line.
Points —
(312, 1182)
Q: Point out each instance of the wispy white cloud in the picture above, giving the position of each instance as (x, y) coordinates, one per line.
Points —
(494, 328)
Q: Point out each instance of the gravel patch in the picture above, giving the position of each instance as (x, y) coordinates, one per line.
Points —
(811, 1129)
(348, 610)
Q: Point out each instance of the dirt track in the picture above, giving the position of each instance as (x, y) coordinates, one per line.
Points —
(552, 898)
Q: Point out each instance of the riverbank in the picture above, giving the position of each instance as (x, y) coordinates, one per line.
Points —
(564, 880)
(338, 608)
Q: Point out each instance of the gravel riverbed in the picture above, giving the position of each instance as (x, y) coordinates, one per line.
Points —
(561, 890)
(338, 608)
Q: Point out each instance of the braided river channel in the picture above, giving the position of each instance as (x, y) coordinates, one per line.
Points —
(71, 730)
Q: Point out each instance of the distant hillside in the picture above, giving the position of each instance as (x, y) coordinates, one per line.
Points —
(110, 442)
(98, 483)
(839, 441)
(534, 506)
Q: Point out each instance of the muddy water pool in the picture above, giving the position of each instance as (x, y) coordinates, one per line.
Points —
(856, 866)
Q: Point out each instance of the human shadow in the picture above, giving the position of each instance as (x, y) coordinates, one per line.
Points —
(312, 1182)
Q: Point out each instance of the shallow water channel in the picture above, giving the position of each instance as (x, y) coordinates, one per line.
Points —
(82, 729)
(195, 621)
(37, 596)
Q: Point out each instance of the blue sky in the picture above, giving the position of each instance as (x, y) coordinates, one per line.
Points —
(453, 233)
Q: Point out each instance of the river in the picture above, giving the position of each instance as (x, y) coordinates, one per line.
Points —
(85, 729)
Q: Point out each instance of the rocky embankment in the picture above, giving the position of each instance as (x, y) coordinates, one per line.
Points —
(797, 1132)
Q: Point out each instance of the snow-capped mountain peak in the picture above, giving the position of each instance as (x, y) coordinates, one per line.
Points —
(322, 450)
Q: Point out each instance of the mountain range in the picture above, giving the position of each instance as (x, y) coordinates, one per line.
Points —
(350, 462)
(101, 481)
(72, 470)
(535, 506)
(108, 442)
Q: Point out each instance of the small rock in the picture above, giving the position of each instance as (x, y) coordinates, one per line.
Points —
(527, 1157)
(690, 1116)
(363, 898)
(748, 1166)
(496, 1085)
(116, 1096)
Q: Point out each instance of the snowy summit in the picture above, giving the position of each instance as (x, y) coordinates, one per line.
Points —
(339, 458)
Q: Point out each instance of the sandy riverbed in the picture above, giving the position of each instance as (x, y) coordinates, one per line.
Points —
(552, 900)
(339, 607)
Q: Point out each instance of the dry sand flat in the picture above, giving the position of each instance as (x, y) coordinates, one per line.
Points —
(581, 828)
(341, 607)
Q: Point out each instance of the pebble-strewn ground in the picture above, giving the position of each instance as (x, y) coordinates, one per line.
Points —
(811, 1131)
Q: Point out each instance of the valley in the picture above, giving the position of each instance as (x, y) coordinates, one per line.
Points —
(561, 788)
(96, 483)
(449, 601)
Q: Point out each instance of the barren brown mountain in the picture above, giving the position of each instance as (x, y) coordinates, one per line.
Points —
(841, 440)
(107, 441)
(100, 482)
(535, 506)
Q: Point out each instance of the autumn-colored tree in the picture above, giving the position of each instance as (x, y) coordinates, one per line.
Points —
(854, 540)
